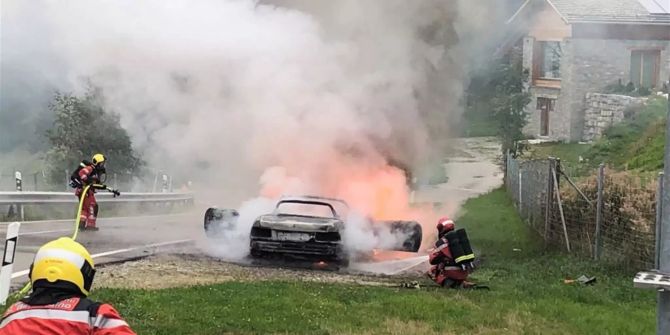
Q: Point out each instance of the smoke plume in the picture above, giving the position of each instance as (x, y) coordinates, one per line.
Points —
(249, 98)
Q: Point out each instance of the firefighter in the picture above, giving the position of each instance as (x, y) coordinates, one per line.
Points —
(444, 270)
(61, 276)
(90, 173)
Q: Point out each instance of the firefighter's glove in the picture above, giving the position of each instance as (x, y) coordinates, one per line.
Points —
(76, 183)
(116, 192)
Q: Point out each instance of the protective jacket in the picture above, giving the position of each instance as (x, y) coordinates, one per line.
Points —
(87, 174)
(51, 312)
(444, 270)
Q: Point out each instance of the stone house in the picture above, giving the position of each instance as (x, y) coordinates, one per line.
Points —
(574, 49)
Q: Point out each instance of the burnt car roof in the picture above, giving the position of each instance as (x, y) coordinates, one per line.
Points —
(316, 200)
(313, 198)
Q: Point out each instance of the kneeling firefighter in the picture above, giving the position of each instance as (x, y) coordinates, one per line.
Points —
(452, 258)
(61, 276)
(91, 175)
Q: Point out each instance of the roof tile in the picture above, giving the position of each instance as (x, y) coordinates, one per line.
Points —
(607, 10)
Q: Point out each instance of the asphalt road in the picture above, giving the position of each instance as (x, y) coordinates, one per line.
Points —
(472, 169)
(118, 238)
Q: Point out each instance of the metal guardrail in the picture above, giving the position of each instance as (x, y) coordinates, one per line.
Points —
(38, 198)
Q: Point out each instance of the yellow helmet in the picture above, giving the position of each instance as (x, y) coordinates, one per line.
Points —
(63, 260)
(98, 159)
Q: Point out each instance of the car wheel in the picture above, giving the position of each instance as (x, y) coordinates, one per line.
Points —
(256, 253)
(342, 262)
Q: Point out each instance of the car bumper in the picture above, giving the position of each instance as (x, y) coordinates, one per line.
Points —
(332, 250)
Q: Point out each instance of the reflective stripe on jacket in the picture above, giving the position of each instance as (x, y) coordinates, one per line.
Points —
(71, 316)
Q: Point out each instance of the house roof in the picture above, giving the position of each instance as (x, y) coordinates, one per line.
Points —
(656, 6)
(608, 11)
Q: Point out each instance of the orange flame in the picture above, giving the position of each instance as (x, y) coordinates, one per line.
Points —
(380, 192)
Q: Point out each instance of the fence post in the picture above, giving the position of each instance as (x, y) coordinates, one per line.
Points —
(67, 181)
(506, 175)
(663, 310)
(520, 193)
(659, 219)
(599, 212)
(557, 190)
(550, 197)
(153, 189)
(19, 188)
(164, 185)
(19, 181)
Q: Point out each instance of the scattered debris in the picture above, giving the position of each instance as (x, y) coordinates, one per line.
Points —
(584, 280)
(479, 287)
(412, 284)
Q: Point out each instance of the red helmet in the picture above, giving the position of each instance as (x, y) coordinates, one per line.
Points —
(445, 225)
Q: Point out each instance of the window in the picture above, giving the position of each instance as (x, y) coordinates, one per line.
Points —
(644, 67)
(547, 60)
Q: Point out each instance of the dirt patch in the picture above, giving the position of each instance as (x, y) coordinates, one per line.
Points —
(177, 270)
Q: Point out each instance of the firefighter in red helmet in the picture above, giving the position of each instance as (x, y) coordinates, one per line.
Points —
(444, 270)
(444, 225)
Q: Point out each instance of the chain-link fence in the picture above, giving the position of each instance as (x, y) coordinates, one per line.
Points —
(608, 215)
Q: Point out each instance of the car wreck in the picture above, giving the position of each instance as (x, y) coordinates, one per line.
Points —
(311, 228)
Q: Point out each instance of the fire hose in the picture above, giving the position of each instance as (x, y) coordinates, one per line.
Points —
(77, 220)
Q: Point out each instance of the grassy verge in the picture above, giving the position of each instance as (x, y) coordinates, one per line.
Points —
(527, 296)
(568, 152)
(636, 144)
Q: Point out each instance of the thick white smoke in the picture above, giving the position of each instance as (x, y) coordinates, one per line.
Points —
(317, 95)
(233, 242)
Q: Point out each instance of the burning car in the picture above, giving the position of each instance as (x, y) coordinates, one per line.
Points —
(310, 227)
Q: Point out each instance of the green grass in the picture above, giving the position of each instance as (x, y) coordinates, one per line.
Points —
(478, 121)
(648, 151)
(527, 296)
(567, 152)
(637, 143)
(479, 127)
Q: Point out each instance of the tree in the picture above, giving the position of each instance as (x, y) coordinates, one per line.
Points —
(82, 128)
(509, 105)
(500, 93)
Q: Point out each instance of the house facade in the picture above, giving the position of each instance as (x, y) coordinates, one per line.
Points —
(572, 48)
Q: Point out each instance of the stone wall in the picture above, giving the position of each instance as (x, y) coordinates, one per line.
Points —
(603, 110)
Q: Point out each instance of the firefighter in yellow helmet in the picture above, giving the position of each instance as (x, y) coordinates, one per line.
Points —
(90, 173)
(61, 276)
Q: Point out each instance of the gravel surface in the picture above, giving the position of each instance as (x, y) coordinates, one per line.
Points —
(178, 270)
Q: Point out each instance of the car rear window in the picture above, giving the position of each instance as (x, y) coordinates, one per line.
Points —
(291, 208)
